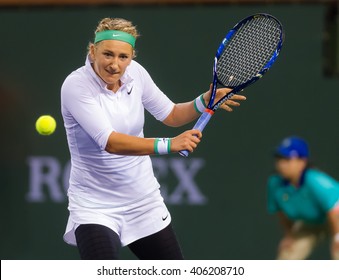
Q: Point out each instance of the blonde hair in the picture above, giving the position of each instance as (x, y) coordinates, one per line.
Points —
(117, 24)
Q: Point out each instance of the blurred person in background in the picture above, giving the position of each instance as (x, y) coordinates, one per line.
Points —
(305, 199)
(114, 198)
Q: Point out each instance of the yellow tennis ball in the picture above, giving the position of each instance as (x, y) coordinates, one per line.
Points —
(45, 125)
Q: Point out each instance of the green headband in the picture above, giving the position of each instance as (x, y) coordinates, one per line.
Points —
(115, 35)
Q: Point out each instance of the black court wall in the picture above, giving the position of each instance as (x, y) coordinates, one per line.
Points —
(217, 196)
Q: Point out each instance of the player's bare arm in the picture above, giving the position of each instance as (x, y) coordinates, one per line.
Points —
(123, 144)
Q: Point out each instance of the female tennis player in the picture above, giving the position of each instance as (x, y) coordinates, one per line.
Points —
(306, 201)
(114, 198)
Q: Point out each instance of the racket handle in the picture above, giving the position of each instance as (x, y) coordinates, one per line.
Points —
(199, 125)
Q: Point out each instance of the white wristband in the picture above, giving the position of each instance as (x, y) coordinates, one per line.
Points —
(199, 104)
(336, 237)
(162, 146)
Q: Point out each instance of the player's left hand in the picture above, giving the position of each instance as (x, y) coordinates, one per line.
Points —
(228, 104)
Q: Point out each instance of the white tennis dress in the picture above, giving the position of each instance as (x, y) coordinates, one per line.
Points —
(117, 191)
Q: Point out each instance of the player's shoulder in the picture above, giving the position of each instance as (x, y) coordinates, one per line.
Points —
(138, 72)
(315, 174)
(75, 76)
(275, 181)
(136, 66)
(315, 177)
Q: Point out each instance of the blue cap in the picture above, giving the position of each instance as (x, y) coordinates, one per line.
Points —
(292, 147)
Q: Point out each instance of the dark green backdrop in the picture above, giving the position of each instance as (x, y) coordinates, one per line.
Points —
(217, 196)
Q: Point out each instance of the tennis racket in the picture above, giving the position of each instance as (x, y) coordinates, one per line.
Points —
(246, 53)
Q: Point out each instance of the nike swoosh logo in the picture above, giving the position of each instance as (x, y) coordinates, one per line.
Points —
(164, 218)
(129, 92)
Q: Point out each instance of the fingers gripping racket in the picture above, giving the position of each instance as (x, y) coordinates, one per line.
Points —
(246, 53)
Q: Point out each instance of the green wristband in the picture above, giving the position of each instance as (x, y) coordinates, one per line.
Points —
(199, 104)
(162, 146)
(156, 140)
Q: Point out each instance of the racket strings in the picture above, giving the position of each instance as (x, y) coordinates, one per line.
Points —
(248, 51)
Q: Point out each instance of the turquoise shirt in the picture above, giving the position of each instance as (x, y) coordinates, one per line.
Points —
(317, 194)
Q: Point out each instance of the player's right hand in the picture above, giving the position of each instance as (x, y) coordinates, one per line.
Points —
(187, 140)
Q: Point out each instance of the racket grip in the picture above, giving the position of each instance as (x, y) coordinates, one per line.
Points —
(199, 125)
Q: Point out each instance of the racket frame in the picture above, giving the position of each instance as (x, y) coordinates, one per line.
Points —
(219, 52)
(211, 107)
